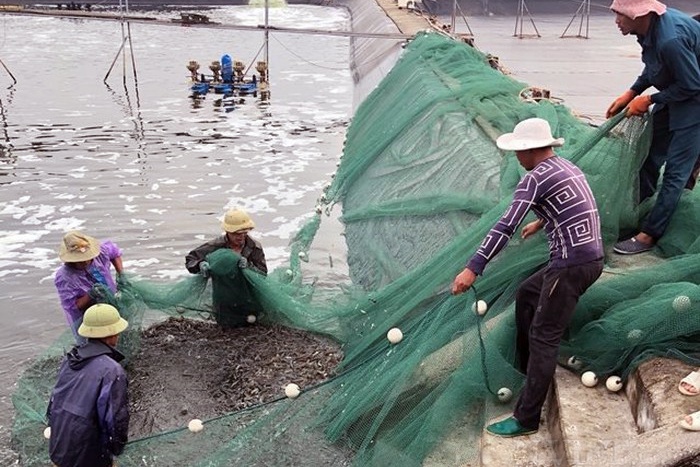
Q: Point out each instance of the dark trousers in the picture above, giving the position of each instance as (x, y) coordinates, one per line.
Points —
(544, 305)
(679, 150)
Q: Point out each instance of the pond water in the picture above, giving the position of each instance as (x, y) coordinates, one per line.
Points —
(142, 164)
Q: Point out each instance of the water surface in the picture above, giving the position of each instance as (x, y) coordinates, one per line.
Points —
(139, 162)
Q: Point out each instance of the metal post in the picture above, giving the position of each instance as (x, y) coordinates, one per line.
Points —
(267, 40)
(8, 72)
(585, 11)
(464, 17)
(520, 19)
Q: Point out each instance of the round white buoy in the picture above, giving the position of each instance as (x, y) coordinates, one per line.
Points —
(613, 383)
(505, 394)
(589, 379)
(195, 425)
(251, 319)
(574, 362)
(480, 307)
(634, 334)
(394, 335)
(289, 273)
(681, 303)
(302, 256)
(47, 432)
(292, 390)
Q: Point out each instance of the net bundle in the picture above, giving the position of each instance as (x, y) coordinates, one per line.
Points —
(420, 183)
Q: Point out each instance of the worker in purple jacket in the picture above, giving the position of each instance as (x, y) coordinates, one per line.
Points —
(85, 278)
(558, 194)
(88, 411)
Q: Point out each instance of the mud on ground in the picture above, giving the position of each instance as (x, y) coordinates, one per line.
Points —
(189, 369)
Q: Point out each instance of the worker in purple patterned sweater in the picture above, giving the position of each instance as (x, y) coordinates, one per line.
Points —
(558, 193)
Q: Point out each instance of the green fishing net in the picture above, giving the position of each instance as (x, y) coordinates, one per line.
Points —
(419, 185)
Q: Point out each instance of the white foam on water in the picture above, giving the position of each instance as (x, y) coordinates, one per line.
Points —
(65, 209)
(38, 213)
(19, 249)
(65, 196)
(140, 263)
(288, 227)
(251, 206)
(275, 256)
(204, 148)
(64, 224)
(169, 274)
(13, 272)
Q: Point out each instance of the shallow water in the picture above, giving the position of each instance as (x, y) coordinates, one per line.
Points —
(144, 165)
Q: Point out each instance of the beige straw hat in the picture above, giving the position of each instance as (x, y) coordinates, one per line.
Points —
(77, 247)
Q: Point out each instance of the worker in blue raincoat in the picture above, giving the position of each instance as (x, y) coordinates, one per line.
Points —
(88, 411)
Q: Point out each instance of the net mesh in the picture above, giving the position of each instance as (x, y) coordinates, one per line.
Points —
(420, 183)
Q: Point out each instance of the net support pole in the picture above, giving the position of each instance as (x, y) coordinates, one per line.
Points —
(267, 39)
(584, 11)
(8, 72)
(464, 17)
(520, 20)
(126, 37)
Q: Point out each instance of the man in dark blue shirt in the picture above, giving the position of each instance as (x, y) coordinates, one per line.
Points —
(670, 43)
(558, 193)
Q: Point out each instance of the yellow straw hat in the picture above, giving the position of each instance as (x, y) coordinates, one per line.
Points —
(236, 220)
(77, 247)
(102, 320)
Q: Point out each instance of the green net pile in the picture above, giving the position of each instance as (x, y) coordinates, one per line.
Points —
(420, 183)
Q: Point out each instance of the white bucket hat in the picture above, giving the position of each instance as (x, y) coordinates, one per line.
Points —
(529, 134)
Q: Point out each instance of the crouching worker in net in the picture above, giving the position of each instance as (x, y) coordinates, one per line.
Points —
(558, 193)
(88, 411)
(224, 259)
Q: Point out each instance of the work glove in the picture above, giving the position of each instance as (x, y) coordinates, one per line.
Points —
(122, 281)
(204, 269)
(97, 293)
(639, 106)
(242, 263)
(620, 103)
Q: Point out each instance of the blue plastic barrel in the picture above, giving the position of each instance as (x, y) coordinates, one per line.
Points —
(227, 69)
